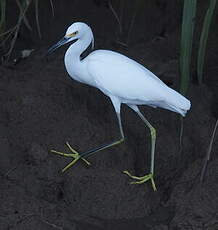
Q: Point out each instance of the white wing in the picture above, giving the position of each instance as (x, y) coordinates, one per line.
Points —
(117, 75)
(122, 77)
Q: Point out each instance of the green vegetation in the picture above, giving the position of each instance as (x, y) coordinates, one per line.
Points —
(10, 35)
(188, 23)
(203, 39)
(2, 15)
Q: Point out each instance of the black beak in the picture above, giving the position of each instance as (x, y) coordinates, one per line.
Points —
(63, 41)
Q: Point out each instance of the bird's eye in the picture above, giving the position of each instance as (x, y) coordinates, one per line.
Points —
(73, 34)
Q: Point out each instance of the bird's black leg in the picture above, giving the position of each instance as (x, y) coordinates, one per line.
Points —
(78, 156)
(105, 146)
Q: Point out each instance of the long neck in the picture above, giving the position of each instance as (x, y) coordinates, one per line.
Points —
(77, 48)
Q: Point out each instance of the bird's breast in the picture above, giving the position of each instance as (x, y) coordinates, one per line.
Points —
(79, 73)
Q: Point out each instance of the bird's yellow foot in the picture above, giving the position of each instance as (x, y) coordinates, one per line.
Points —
(142, 179)
(75, 155)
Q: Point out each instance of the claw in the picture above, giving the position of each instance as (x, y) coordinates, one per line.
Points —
(141, 180)
(63, 154)
(74, 155)
(133, 177)
(77, 155)
(70, 164)
(146, 178)
(71, 149)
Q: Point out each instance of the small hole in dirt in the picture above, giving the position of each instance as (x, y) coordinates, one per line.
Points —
(60, 195)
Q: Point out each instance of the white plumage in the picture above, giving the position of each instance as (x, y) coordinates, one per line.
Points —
(120, 78)
(131, 82)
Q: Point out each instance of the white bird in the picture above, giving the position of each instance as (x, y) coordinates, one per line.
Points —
(123, 80)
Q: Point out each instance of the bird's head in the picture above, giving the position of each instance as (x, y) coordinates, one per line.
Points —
(77, 30)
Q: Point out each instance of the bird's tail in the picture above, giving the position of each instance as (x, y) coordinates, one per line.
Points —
(177, 102)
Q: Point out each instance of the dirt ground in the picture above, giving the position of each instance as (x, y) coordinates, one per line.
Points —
(42, 108)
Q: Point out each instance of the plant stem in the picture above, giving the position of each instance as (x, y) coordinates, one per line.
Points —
(203, 40)
(188, 22)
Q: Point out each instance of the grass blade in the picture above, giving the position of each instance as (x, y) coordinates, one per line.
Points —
(122, 6)
(2, 15)
(136, 8)
(207, 158)
(188, 22)
(115, 15)
(21, 7)
(37, 17)
(17, 28)
(52, 7)
(203, 40)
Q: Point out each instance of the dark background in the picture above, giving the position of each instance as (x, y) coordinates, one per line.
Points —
(42, 108)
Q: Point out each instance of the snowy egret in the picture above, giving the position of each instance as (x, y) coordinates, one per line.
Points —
(123, 80)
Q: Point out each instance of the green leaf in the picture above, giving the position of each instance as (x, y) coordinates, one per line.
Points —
(204, 38)
(188, 22)
(2, 15)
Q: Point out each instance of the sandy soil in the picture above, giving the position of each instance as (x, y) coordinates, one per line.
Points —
(42, 108)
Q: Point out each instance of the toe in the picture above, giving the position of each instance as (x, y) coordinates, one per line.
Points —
(142, 180)
(71, 149)
(70, 164)
(133, 177)
(153, 184)
(62, 153)
(87, 162)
